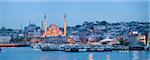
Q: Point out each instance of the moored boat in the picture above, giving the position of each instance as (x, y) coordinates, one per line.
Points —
(99, 49)
(82, 50)
(124, 51)
(136, 47)
(72, 50)
(108, 48)
(50, 47)
(37, 47)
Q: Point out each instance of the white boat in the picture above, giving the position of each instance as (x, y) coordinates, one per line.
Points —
(124, 51)
(61, 47)
(82, 50)
(99, 49)
(37, 47)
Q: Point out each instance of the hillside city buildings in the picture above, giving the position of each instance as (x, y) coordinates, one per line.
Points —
(134, 33)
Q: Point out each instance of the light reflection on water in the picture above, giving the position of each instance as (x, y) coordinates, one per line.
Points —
(107, 57)
(26, 53)
(135, 55)
(91, 57)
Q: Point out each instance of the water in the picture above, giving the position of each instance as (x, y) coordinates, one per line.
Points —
(26, 53)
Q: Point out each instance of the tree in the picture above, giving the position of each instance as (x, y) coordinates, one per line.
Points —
(77, 26)
(10, 30)
(124, 42)
(103, 23)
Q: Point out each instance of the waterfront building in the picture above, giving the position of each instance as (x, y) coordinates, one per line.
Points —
(53, 34)
(137, 40)
(76, 38)
(71, 31)
(53, 30)
(14, 33)
(142, 39)
(32, 31)
(57, 39)
(5, 39)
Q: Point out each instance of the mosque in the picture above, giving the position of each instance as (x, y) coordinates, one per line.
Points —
(54, 35)
(53, 30)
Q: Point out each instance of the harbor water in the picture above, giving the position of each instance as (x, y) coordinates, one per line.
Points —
(27, 53)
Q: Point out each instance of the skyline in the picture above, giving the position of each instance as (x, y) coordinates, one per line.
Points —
(76, 12)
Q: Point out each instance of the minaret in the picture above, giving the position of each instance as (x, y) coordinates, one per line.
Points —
(42, 24)
(45, 27)
(65, 25)
(29, 22)
(21, 25)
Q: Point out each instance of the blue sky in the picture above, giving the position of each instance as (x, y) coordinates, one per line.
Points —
(13, 12)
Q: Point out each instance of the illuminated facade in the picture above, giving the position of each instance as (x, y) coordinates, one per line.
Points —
(54, 35)
(142, 38)
(53, 30)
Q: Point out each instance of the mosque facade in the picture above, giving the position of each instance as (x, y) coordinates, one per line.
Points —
(53, 34)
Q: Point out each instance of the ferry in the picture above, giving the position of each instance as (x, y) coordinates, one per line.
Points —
(71, 48)
(82, 50)
(83, 47)
(100, 49)
(108, 48)
(76, 48)
(136, 47)
(37, 47)
(50, 47)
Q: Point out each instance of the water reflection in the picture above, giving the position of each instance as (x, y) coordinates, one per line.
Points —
(91, 56)
(107, 57)
(139, 55)
(30, 54)
(135, 55)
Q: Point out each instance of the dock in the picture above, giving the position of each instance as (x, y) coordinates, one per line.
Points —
(81, 47)
(14, 45)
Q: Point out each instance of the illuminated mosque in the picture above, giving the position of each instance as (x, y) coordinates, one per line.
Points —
(54, 35)
(53, 30)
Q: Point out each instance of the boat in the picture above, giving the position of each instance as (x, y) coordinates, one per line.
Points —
(120, 47)
(46, 49)
(82, 50)
(71, 50)
(50, 47)
(108, 48)
(136, 47)
(68, 50)
(100, 49)
(61, 47)
(37, 47)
